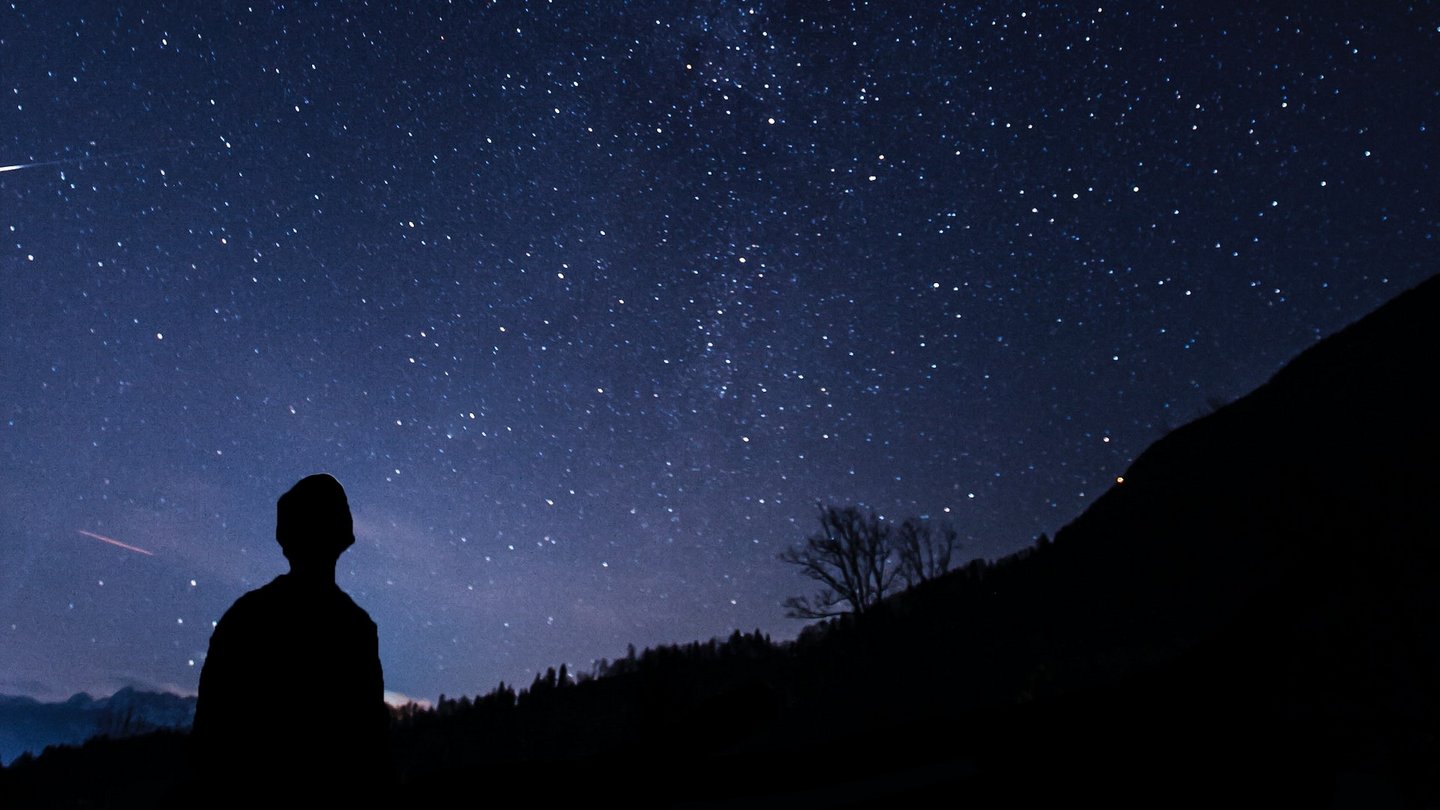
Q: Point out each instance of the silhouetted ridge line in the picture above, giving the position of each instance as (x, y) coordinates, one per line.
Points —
(1206, 618)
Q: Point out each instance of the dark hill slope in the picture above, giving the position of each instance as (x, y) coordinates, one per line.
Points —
(1250, 617)
(1257, 604)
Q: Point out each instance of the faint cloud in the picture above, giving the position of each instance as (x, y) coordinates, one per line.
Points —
(398, 699)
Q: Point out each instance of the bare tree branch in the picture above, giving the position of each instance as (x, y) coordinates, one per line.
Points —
(925, 551)
(850, 557)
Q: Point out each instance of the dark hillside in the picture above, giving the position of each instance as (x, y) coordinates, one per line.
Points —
(1252, 612)
(1258, 599)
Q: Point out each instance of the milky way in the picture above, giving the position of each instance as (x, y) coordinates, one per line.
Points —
(589, 309)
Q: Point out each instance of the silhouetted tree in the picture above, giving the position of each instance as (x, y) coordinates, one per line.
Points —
(924, 550)
(851, 559)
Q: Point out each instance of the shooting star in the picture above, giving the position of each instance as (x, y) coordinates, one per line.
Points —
(112, 541)
(15, 167)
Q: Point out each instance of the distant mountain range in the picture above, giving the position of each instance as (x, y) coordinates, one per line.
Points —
(28, 725)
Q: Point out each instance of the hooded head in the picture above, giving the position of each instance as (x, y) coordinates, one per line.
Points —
(312, 521)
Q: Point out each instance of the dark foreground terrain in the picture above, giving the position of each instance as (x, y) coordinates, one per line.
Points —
(1252, 616)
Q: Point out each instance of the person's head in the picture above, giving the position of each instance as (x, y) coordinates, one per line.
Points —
(312, 521)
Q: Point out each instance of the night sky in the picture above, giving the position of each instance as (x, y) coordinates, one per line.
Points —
(588, 306)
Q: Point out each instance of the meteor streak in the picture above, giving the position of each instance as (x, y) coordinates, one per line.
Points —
(15, 167)
(112, 541)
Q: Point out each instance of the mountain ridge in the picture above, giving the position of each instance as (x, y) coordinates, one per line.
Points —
(29, 726)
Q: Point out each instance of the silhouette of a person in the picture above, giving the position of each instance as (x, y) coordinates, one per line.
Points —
(291, 695)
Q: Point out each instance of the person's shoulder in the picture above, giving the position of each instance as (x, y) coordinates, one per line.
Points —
(354, 612)
(256, 600)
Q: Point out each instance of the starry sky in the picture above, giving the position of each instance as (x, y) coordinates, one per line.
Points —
(589, 305)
